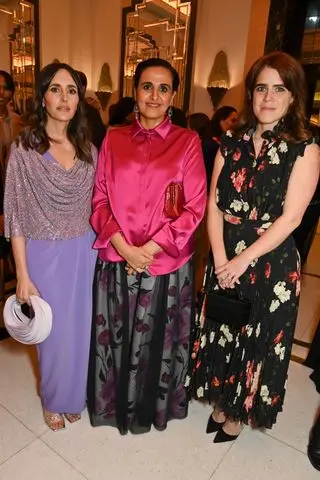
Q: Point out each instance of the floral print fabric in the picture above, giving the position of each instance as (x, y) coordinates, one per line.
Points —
(139, 348)
(245, 371)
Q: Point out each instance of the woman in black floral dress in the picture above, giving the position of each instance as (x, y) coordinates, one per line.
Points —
(264, 178)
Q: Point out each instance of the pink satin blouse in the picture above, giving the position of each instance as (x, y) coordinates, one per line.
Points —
(135, 167)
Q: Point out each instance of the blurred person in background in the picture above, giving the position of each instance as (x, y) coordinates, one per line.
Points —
(96, 125)
(10, 122)
(122, 112)
(178, 117)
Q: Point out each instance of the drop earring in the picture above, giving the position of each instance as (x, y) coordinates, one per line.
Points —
(136, 111)
(170, 113)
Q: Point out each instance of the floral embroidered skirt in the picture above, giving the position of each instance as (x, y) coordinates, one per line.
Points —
(140, 347)
(245, 370)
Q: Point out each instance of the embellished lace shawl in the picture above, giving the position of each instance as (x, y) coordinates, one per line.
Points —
(44, 201)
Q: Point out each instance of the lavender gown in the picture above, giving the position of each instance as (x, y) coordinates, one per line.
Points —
(62, 270)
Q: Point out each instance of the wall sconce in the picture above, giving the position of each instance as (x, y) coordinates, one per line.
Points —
(219, 79)
(104, 86)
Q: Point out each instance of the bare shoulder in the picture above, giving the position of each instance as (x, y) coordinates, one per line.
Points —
(307, 166)
(312, 149)
(310, 156)
(307, 148)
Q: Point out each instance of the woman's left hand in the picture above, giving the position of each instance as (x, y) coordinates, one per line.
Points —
(229, 273)
(131, 271)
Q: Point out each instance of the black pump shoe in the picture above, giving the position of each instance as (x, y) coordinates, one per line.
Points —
(314, 446)
(213, 426)
(223, 437)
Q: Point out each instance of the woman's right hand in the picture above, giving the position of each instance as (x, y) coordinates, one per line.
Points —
(137, 258)
(220, 261)
(24, 289)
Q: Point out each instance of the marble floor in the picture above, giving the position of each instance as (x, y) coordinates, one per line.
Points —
(30, 451)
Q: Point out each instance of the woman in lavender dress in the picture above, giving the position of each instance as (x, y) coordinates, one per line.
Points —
(47, 207)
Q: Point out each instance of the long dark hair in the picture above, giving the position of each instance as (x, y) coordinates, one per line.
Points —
(292, 75)
(34, 135)
(221, 114)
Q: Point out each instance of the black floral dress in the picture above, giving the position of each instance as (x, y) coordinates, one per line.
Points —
(246, 371)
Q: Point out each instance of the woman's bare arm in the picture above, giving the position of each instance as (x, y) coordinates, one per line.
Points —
(215, 216)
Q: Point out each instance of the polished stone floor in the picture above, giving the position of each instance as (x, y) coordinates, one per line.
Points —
(29, 451)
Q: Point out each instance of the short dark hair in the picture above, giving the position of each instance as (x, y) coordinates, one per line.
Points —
(119, 112)
(178, 117)
(221, 114)
(156, 62)
(200, 123)
(35, 137)
(9, 81)
(292, 75)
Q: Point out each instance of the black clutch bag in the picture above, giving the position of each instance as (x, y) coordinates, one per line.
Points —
(226, 306)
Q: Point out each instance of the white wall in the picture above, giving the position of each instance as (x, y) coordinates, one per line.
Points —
(84, 33)
(55, 32)
(87, 33)
(221, 25)
(257, 31)
(106, 42)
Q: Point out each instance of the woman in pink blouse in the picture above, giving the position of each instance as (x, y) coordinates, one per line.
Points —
(149, 198)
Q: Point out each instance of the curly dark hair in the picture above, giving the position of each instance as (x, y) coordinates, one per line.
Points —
(34, 135)
(156, 62)
(292, 75)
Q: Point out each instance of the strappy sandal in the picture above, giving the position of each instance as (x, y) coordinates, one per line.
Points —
(55, 421)
(72, 417)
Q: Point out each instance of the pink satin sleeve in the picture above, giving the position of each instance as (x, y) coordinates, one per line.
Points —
(175, 234)
(102, 219)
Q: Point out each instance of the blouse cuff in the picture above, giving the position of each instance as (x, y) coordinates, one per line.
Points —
(162, 238)
(104, 238)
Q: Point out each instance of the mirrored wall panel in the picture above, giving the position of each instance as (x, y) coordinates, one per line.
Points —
(159, 28)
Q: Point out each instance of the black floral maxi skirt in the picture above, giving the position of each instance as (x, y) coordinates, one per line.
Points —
(139, 347)
(245, 371)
